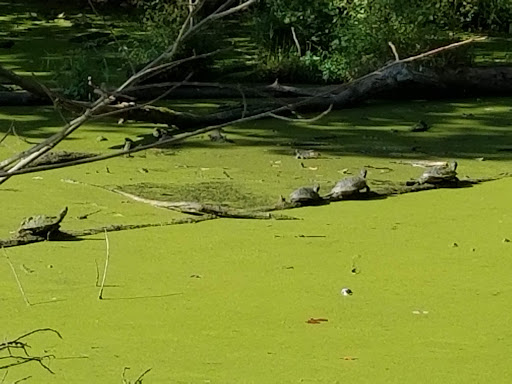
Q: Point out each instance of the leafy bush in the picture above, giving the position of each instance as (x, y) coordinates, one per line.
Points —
(342, 39)
(73, 73)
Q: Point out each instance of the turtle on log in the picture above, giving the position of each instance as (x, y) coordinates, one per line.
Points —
(445, 173)
(349, 187)
(306, 195)
(41, 225)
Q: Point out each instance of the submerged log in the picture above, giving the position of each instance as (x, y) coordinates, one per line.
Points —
(211, 212)
(70, 235)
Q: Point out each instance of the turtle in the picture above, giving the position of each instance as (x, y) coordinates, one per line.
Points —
(306, 195)
(420, 126)
(306, 154)
(219, 136)
(41, 225)
(439, 174)
(349, 186)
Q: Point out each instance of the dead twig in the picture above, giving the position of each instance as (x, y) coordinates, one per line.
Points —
(138, 106)
(301, 120)
(20, 287)
(138, 380)
(107, 259)
(7, 133)
(393, 49)
(21, 138)
(296, 41)
(12, 359)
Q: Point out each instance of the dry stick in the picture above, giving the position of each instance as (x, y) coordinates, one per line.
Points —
(244, 101)
(106, 267)
(168, 53)
(145, 104)
(297, 44)
(313, 119)
(17, 278)
(393, 49)
(97, 273)
(164, 67)
(7, 133)
(21, 138)
(141, 376)
(37, 331)
(21, 380)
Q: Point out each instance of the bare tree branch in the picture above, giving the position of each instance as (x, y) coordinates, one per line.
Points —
(25, 158)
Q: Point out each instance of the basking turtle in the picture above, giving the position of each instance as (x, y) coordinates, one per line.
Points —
(41, 225)
(349, 186)
(219, 136)
(306, 154)
(306, 195)
(420, 126)
(439, 174)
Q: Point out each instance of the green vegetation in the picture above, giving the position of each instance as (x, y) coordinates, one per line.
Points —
(244, 318)
(340, 40)
(227, 301)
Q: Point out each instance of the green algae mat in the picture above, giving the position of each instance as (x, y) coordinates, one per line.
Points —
(232, 301)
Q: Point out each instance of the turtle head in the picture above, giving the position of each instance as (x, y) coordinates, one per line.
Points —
(157, 132)
(63, 212)
(316, 188)
(363, 173)
(453, 165)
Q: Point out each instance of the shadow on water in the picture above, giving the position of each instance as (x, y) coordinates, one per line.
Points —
(462, 129)
(143, 297)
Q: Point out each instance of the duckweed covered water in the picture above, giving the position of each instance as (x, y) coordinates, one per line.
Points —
(227, 301)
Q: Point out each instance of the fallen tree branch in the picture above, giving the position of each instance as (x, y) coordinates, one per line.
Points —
(201, 209)
(25, 158)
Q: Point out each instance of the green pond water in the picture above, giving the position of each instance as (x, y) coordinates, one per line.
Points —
(227, 301)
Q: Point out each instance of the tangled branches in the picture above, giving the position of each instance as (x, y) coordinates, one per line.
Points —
(15, 352)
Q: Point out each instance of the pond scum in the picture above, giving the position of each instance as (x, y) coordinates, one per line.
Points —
(261, 301)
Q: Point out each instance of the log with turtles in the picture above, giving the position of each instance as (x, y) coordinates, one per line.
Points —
(442, 175)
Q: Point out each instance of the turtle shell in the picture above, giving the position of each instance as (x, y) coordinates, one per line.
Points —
(439, 174)
(41, 224)
(349, 185)
(306, 154)
(305, 194)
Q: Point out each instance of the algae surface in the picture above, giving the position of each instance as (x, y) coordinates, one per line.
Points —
(228, 301)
